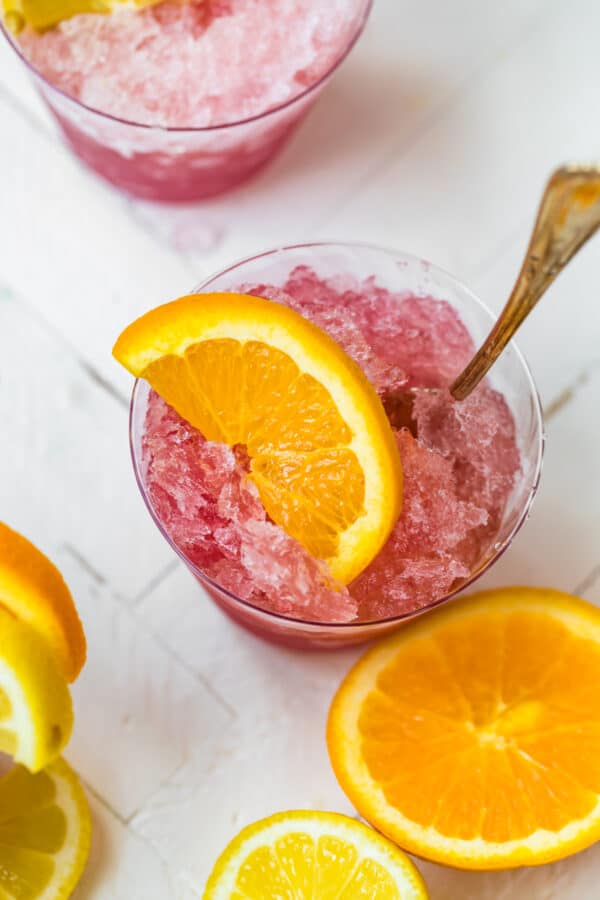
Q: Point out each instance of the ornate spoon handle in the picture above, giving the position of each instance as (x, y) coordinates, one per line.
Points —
(569, 214)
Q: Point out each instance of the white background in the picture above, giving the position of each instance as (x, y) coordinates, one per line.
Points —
(435, 138)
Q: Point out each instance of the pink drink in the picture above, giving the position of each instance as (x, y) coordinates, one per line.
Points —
(185, 100)
(468, 478)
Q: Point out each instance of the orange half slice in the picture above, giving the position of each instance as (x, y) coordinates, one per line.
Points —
(248, 371)
(472, 737)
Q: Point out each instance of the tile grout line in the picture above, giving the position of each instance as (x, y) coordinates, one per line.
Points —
(88, 369)
(103, 802)
(125, 822)
(97, 576)
(589, 581)
(156, 790)
(570, 392)
(100, 381)
(130, 826)
(197, 676)
(127, 609)
(155, 582)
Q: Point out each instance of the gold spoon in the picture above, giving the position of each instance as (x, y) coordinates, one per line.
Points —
(568, 216)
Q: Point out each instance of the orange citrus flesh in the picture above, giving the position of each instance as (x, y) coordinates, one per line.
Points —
(472, 736)
(302, 855)
(33, 590)
(248, 371)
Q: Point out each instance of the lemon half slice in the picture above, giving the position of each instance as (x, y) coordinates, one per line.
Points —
(36, 714)
(44, 14)
(44, 833)
(301, 855)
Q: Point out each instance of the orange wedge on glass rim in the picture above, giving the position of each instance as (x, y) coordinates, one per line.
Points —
(471, 737)
(248, 371)
(33, 590)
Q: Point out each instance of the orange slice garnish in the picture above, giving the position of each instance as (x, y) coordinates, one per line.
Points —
(248, 371)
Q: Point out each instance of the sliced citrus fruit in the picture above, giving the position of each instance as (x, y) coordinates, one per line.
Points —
(33, 590)
(301, 855)
(44, 14)
(44, 833)
(472, 736)
(248, 371)
(36, 714)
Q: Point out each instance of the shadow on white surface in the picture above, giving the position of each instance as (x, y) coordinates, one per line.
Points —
(365, 109)
(101, 859)
(573, 877)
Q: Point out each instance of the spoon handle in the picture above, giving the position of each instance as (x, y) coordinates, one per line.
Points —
(569, 214)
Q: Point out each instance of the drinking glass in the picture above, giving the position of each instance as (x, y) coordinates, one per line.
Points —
(402, 274)
(182, 164)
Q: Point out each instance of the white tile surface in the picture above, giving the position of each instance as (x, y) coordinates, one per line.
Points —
(66, 476)
(140, 714)
(558, 545)
(467, 181)
(123, 865)
(436, 138)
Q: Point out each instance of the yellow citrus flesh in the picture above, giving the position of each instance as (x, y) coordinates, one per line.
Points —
(248, 371)
(301, 855)
(44, 14)
(33, 590)
(36, 715)
(44, 833)
(472, 736)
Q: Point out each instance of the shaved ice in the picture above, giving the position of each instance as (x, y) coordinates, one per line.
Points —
(458, 472)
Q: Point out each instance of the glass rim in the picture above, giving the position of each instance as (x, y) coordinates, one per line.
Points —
(183, 129)
(369, 624)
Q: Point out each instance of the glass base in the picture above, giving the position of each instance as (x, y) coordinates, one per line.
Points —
(172, 173)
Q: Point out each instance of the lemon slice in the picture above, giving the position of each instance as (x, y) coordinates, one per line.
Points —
(36, 714)
(301, 855)
(44, 833)
(44, 14)
(248, 371)
(472, 736)
(33, 590)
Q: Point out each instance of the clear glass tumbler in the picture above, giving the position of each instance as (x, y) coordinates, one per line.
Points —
(182, 164)
(399, 273)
